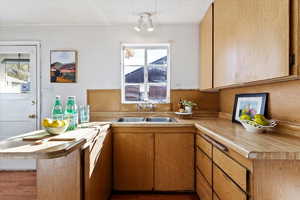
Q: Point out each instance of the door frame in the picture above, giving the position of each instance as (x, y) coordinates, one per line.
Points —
(36, 44)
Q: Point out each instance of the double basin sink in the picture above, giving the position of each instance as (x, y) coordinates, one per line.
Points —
(147, 119)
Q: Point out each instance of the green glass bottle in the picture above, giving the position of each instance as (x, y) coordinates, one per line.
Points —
(57, 112)
(71, 113)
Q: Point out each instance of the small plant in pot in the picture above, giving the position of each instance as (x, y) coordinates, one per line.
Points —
(188, 106)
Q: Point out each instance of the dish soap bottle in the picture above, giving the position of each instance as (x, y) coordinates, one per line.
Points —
(57, 110)
(71, 113)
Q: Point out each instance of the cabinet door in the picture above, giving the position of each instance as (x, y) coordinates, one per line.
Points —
(133, 162)
(251, 40)
(98, 169)
(174, 162)
(206, 50)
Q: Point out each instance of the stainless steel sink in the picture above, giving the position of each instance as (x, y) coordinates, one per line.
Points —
(160, 119)
(148, 119)
(131, 119)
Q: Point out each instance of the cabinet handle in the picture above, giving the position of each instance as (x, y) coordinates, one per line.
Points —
(33, 116)
(219, 146)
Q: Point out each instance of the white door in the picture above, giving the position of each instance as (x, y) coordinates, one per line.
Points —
(18, 97)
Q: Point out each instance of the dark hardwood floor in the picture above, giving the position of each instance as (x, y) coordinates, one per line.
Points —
(154, 197)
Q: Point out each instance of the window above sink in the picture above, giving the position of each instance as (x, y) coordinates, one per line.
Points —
(145, 73)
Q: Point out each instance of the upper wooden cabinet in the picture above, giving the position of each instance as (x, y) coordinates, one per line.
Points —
(251, 40)
(206, 50)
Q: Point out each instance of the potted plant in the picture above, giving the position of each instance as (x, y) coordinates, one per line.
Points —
(188, 106)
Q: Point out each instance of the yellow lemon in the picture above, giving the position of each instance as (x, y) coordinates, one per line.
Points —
(65, 122)
(47, 122)
(57, 124)
(245, 117)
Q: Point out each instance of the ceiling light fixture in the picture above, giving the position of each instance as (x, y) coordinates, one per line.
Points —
(144, 22)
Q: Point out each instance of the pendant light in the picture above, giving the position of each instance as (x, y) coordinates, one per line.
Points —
(144, 22)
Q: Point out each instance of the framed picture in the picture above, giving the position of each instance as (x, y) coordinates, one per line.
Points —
(63, 66)
(252, 104)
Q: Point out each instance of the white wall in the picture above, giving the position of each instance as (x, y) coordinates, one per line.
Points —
(99, 55)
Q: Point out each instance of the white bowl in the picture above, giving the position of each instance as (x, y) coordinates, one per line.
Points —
(58, 130)
(257, 128)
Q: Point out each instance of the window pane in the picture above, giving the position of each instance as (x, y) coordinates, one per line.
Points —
(14, 73)
(134, 74)
(134, 93)
(134, 56)
(157, 93)
(157, 56)
(157, 74)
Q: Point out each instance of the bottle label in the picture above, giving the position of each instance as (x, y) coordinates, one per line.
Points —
(73, 121)
(57, 116)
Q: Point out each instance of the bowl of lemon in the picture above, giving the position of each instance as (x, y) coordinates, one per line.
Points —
(257, 124)
(55, 127)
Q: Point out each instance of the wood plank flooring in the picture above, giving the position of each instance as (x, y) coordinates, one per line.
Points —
(154, 197)
(17, 185)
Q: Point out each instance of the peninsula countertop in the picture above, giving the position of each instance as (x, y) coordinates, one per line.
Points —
(17, 147)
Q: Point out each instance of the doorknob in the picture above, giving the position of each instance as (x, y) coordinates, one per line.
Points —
(33, 116)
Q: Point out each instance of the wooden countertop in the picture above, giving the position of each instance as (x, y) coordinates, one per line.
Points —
(271, 145)
(17, 148)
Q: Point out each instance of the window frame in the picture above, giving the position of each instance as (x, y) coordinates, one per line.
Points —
(146, 81)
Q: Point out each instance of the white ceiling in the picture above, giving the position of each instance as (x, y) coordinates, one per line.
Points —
(99, 12)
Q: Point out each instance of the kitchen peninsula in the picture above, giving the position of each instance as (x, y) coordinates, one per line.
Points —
(68, 165)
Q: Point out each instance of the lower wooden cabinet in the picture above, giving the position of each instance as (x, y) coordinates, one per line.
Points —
(237, 172)
(220, 176)
(174, 162)
(225, 187)
(204, 164)
(203, 189)
(98, 169)
(155, 159)
(133, 161)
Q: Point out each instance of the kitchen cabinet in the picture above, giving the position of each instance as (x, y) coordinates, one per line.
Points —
(204, 165)
(218, 171)
(98, 169)
(174, 162)
(203, 189)
(225, 187)
(133, 161)
(154, 159)
(251, 41)
(206, 50)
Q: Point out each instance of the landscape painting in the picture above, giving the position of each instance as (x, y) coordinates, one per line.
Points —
(63, 66)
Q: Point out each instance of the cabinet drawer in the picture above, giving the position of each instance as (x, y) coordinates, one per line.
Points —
(225, 188)
(233, 169)
(203, 189)
(204, 164)
(204, 145)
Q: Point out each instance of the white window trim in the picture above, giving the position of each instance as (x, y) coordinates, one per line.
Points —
(146, 46)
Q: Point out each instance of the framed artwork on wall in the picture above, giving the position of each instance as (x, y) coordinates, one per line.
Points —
(252, 104)
(63, 66)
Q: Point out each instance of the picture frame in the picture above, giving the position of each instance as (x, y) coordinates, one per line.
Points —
(63, 66)
(253, 103)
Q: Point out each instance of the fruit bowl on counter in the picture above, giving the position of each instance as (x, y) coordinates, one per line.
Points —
(258, 124)
(55, 127)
